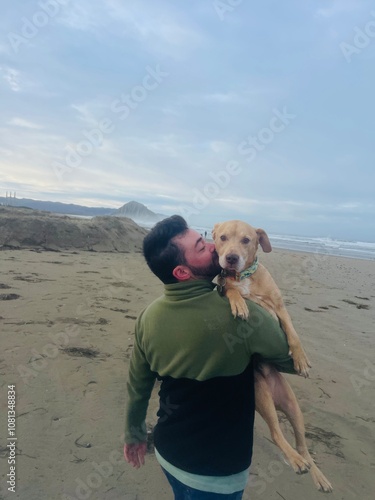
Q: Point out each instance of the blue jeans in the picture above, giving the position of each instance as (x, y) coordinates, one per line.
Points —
(183, 492)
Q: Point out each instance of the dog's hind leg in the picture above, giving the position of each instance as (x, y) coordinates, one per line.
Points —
(286, 402)
(266, 408)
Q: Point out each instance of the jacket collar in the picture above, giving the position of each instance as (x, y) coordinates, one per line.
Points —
(188, 289)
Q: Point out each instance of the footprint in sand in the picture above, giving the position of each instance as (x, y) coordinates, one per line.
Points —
(313, 310)
(357, 304)
(9, 296)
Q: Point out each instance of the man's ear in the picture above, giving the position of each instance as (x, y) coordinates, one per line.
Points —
(264, 241)
(215, 230)
(181, 273)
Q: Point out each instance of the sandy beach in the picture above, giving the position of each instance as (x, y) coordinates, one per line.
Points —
(67, 321)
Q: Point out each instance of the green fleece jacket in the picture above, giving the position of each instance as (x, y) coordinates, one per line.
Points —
(189, 340)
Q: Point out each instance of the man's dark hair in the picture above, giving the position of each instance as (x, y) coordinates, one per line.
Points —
(161, 253)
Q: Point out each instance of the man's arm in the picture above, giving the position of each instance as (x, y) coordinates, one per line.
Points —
(140, 384)
(267, 339)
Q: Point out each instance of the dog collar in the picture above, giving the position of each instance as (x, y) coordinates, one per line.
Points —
(246, 273)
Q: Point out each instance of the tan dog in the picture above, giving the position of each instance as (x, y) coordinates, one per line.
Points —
(236, 244)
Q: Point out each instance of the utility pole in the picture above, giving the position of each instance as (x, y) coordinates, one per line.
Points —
(9, 199)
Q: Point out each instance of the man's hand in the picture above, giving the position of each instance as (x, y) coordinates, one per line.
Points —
(135, 454)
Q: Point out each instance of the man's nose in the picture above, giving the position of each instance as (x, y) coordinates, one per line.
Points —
(211, 247)
(232, 258)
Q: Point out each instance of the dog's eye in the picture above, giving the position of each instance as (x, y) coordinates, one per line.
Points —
(223, 237)
(245, 241)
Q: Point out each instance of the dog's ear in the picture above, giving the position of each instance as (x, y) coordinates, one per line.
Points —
(215, 230)
(264, 241)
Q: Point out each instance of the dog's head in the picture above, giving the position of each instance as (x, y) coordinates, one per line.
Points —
(237, 243)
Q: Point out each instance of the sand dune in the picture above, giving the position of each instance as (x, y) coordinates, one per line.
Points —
(27, 228)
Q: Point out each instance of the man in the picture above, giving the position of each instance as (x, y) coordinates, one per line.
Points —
(203, 356)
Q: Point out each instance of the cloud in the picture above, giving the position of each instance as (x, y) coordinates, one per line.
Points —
(338, 7)
(161, 28)
(164, 30)
(82, 17)
(5, 152)
(86, 113)
(150, 21)
(12, 77)
(220, 147)
(4, 49)
(21, 122)
(224, 97)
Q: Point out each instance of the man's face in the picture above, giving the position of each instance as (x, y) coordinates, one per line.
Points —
(201, 257)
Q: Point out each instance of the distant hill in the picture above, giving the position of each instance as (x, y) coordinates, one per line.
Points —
(138, 213)
(133, 210)
(57, 207)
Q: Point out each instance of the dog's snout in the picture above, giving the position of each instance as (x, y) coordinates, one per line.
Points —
(232, 258)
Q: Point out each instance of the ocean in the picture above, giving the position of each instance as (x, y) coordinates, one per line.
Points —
(326, 246)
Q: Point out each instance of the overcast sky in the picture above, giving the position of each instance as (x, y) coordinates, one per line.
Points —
(262, 111)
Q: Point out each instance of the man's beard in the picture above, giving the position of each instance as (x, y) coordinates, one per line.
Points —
(208, 272)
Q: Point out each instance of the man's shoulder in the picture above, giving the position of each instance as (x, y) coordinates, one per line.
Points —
(154, 306)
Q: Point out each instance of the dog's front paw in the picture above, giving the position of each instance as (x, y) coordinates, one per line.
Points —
(301, 362)
(298, 462)
(239, 309)
(321, 482)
